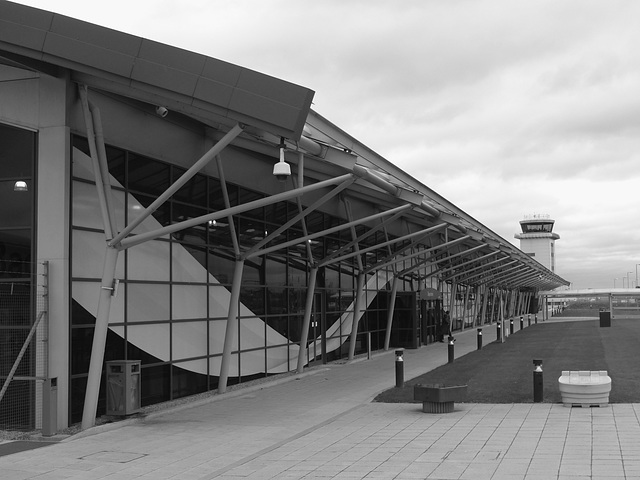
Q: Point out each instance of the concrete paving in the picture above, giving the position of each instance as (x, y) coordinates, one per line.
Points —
(322, 425)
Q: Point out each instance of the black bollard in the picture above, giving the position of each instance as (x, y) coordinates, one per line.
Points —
(529, 320)
(521, 322)
(511, 327)
(498, 331)
(536, 318)
(450, 348)
(479, 339)
(537, 381)
(399, 368)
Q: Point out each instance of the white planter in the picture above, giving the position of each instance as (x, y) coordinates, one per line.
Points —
(585, 388)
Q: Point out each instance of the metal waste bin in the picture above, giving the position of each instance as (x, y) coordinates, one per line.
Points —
(605, 319)
(123, 387)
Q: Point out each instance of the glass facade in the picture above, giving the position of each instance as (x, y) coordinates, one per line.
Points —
(172, 302)
(17, 187)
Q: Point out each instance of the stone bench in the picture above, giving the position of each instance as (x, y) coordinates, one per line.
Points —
(439, 398)
(584, 388)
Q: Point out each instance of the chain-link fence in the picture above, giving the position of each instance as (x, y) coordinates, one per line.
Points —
(24, 327)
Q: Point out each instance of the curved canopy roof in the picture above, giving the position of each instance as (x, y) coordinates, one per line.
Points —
(436, 233)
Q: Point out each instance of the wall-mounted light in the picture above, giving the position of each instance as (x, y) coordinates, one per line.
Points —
(20, 186)
(282, 170)
(161, 111)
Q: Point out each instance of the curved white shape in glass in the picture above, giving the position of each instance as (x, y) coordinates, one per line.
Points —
(150, 302)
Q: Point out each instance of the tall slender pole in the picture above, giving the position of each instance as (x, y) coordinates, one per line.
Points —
(392, 306)
(304, 335)
(99, 338)
(356, 316)
(232, 326)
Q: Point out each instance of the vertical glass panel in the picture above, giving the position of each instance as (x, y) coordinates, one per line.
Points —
(252, 335)
(217, 332)
(147, 176)
(194, 192)
(189, 340)
(189, 301)
(17, 152)
(88, 255)
(194, 235)
(277, 330)
(253, 272)
(15, 253)
(151, 340)
(276, 271)
(147, 302)
(253, 299)
(276, 301)
(219, 302)
(15, 206)
(246, 196)
(86, 294)
(149, 261)
(185, 381)
(216, 196)
(86, 207)
(156, 384)
(188, 264)
(222, 265)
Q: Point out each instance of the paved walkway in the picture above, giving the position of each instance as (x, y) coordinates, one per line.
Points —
(322, 425)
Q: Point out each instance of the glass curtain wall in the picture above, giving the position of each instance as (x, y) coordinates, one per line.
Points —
(17, 286)
(178, 299)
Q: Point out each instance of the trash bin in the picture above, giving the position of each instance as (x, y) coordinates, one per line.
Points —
(605, 319)
(123, 387)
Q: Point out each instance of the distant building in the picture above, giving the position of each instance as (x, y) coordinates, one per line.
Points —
(538, 240)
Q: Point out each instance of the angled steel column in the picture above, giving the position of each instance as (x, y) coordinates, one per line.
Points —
(304, 335)
(99, 338)
(107, 286)
(186, 176)
(232, 326)
(392, 306)
(356, 315)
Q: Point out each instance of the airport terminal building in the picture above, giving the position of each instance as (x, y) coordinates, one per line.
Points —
(164, 207)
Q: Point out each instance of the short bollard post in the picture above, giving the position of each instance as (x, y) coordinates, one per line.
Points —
(498, 331)
(479, 339)
(521, 322)
(511, 327)
(529, 320)
(450, 348)
(536, 318)
(537, 381)
(399, 368)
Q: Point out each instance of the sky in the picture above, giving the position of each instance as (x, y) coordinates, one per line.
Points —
(507, 108)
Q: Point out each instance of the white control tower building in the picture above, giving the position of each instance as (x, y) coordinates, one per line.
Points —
(538, 240)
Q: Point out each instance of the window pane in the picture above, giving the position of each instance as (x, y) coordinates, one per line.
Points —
(147, 302)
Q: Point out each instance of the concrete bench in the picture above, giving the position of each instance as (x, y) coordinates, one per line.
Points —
(584, 388)
(439, 398)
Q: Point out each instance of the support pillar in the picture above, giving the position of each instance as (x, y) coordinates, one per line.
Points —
(392, 306)
(304, 335)
(99, 338)
(232, 326)
(356, 316)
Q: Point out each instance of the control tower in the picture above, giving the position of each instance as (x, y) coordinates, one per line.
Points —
(538, 240)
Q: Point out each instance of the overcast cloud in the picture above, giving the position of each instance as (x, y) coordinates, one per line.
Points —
(505, 107)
